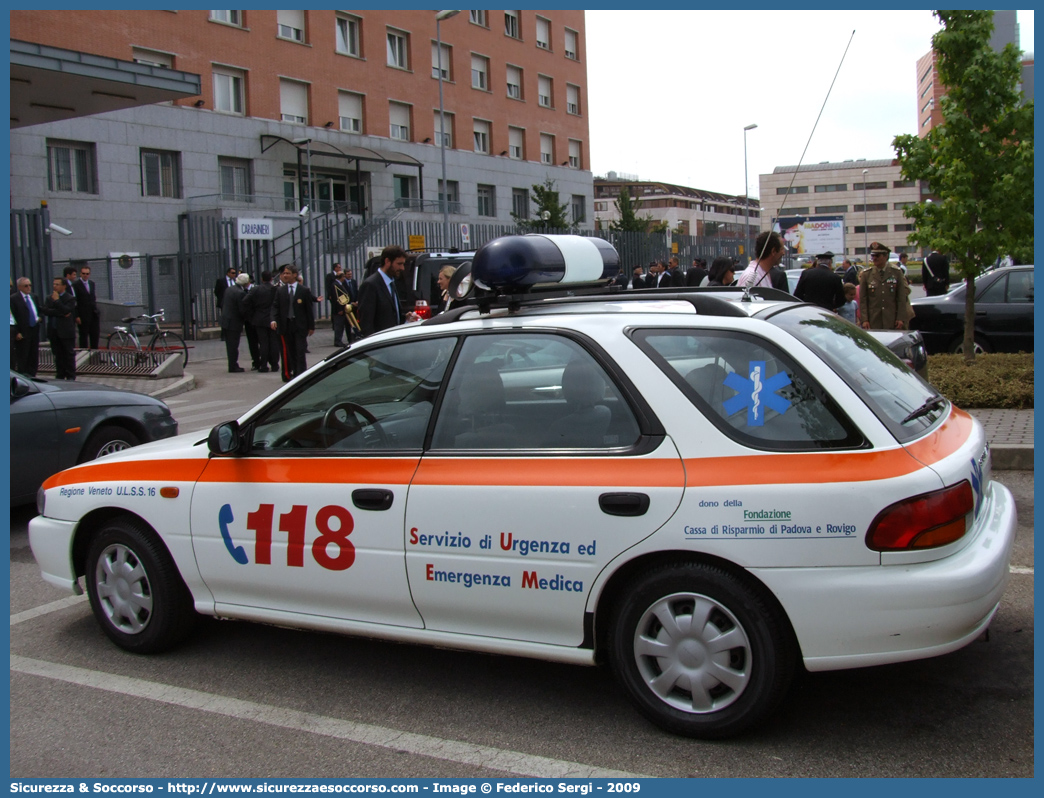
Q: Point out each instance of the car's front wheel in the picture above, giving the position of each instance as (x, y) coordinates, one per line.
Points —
(980, 345)
(135, 590)
(107, 440)
(700, 651)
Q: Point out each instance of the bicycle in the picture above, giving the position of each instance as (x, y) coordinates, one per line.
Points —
(125, 339)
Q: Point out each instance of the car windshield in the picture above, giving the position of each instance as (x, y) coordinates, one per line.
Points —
(877, 375)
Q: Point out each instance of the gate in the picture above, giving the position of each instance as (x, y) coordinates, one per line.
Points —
(31, 247)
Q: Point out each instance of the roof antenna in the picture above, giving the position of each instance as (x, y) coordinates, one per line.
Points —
(746, 288)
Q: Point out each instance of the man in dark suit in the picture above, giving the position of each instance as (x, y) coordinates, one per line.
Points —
(257, 312)
(697, 274)
(60, 309)
(86, 292)
(232, 320)
(379, 301)
(294, 319)
(344, 298)
(220, 286)
(659, 277)
(819, 285)
(935, 274)
(25, 308)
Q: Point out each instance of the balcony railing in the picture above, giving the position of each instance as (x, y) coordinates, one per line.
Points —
(262, 203)
(427, 206)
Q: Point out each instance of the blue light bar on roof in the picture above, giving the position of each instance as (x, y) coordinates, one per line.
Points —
(514, 262)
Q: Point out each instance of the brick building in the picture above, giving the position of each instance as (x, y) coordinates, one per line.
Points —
(339, 109)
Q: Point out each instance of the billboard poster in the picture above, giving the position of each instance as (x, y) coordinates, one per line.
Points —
(812, 235)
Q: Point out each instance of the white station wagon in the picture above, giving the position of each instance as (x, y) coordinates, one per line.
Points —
(702, 489)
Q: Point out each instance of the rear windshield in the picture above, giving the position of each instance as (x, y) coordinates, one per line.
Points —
(881, 379)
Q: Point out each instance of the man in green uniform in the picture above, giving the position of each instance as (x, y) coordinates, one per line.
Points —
(884, 294)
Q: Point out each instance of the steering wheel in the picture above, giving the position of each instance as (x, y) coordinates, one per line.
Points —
(332, 421)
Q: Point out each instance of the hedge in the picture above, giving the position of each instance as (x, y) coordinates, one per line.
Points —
(1003, 381)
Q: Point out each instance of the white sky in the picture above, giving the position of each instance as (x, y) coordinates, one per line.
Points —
(669, 92)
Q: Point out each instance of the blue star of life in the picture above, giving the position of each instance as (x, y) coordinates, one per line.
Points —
(756, 393)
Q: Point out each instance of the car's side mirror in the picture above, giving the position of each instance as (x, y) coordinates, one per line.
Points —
(19, 388)
(224, 438)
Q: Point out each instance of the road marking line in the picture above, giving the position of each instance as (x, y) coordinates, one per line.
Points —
(1018, 569)
(45, 609)
(481, 756)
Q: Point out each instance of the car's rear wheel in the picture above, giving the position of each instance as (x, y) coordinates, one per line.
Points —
(981, 345)
(135, 590)
(700, 651)
(107, 440)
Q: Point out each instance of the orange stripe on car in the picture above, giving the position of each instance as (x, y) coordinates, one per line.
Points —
(312, 470)
(558, 471)
(129, 471)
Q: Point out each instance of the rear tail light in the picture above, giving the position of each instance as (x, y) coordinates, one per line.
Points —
(923, 522)
(422, 309)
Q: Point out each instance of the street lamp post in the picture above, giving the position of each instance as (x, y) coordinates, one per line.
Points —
(439, 16)
(866, 232)
(746, 189)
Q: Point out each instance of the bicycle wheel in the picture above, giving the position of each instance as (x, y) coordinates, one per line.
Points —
(118, 345)
(168, 343)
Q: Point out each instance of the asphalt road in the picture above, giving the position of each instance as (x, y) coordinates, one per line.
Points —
(245, 700)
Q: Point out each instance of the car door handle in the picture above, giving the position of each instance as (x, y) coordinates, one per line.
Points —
(372, 498)
(627, 504)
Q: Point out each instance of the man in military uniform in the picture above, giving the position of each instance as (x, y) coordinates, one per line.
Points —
(936, 274)
(884, 294)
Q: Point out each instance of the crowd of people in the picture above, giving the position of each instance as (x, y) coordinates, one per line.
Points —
(277, 314)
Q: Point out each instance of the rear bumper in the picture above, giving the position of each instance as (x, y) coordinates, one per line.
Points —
(854, 617)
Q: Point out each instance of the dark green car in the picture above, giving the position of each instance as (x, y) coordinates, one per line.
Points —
(57, 424)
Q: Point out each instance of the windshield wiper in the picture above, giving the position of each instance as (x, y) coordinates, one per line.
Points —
(931, 404)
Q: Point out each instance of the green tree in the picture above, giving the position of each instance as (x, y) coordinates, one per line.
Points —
(979, 162)
(547, 211)
(629, 221)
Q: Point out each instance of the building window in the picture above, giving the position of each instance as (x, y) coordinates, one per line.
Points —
(547, 148)
(403, 188)
(831, 209)
(71, 167)
(903, 228)
(160, 174)
(516, 143)
(482, 136)
(228, 17)
(570, 37)
(543, 33)
(832, 187)
(291, 25)
(235, 179)
(348, 35)
(870, 186)
(789, 211)
(293, 101)
(900, 205)
(904, 183)
(579, 208)
(446, 121)
(793, 190)
(514, 82)
(572, 99)
(398, 49)
(544, 87)
(152, 58)
(350, 109)
(872, 228)
(446, 55)
(228, 90)
(479, 18)
(487, 201)
(574, 154)
(399, 121)
(511, 26)
(451, 196)
(520, 202)
(877, 206)
(479, 72)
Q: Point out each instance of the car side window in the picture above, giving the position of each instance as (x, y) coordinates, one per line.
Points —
(380, 399)
(531, 391)
(751, 390)
(996, 291)
(1020, 286)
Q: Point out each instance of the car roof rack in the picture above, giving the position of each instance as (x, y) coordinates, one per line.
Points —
(708, 301)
